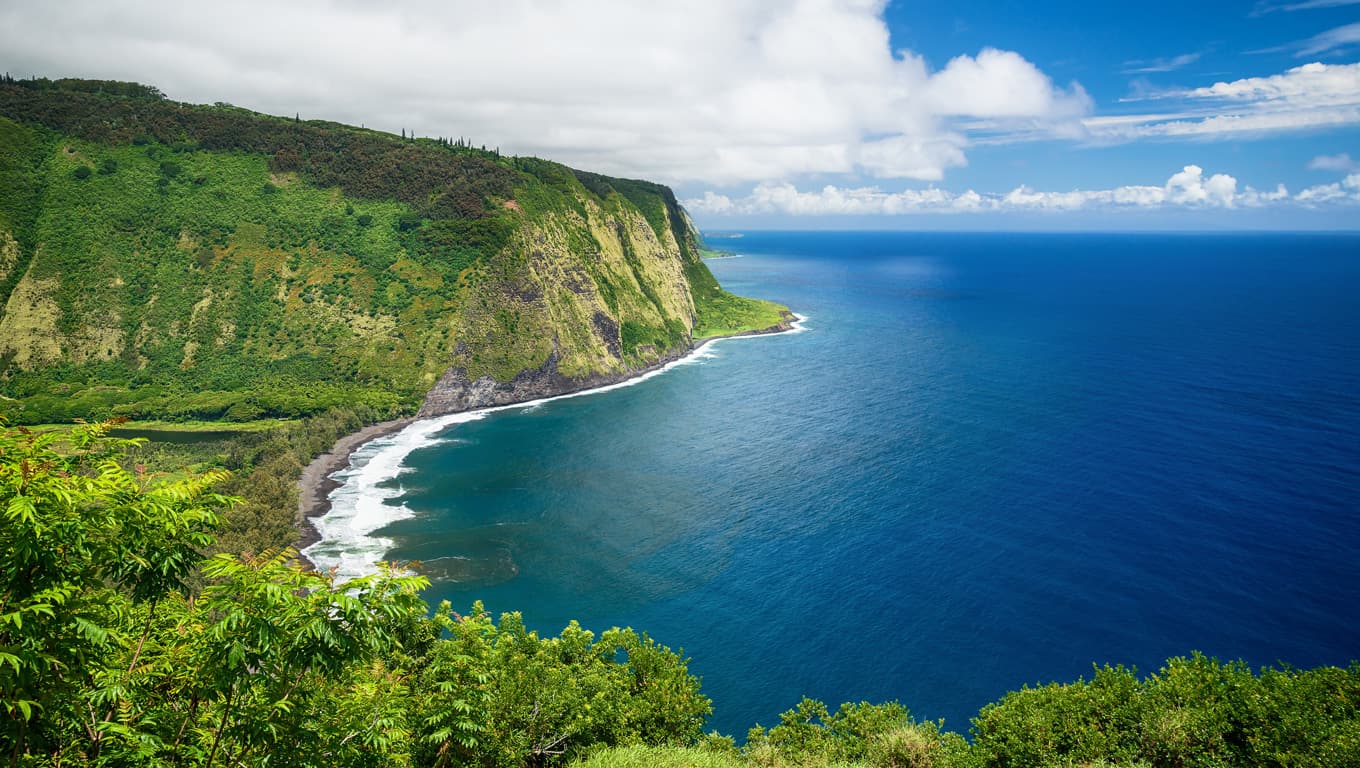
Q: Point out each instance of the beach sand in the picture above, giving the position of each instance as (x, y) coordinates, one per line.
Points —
(315, 484)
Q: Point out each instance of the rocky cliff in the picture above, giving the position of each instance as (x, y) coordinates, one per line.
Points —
(584, 297)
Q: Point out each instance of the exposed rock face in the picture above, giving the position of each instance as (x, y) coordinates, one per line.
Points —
(455, 393)
(582, 298)
(608, 331)
(586, 291)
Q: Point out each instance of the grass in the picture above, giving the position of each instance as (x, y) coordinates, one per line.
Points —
(661, 757)
(709, 253)
(726, 314)
(243, 427)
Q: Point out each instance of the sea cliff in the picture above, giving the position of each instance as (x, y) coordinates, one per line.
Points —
(161, 260)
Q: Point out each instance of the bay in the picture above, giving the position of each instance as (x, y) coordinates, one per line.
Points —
(989, 460)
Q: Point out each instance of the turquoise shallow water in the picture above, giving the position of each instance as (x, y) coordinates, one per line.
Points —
(990, 460)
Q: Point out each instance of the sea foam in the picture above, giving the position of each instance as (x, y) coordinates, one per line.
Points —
(367, 500)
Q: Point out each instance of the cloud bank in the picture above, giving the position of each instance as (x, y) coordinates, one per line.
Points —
(716, 91)
(1189, 188)
(1311, 96)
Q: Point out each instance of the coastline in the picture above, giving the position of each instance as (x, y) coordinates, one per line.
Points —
(316, 483)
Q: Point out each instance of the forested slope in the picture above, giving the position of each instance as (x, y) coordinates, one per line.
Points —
(167, 260)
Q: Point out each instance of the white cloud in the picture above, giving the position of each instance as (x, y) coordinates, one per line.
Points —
(785, 198)
(1311, 85)
(1341, 162)
(1335, 40)
(911, 157)
(1171, 64)
(712, 202)
(1322, 193)
(1222, 126)
(1347, 189)
(719, 91)
(1001, 84)
(1311, 96)
(1252, 198)
(1301, 5)
(1188, 188)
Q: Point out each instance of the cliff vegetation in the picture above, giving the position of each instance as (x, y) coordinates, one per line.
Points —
(173, 261)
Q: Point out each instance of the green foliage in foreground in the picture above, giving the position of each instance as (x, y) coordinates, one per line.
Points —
(1193, 712)
(121, 645)
(108, 658)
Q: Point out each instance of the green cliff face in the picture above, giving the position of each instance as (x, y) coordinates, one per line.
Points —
(176, 261)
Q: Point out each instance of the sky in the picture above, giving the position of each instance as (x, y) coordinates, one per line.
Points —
(971, 114)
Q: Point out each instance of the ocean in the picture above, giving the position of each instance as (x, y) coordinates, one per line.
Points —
(985, 461)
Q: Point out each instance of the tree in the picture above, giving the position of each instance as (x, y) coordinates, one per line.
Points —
(501, 696)
(78, 524)
(272, 627)
(106, 656)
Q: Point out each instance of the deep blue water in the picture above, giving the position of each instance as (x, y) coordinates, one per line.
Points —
(990, 460)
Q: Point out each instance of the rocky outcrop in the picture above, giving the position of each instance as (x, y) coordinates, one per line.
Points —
(455, 392)
(583, 296)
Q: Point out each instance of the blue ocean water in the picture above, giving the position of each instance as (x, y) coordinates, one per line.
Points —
(989, 461)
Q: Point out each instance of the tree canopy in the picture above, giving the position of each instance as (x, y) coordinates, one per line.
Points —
(108, 656)
(122, 644)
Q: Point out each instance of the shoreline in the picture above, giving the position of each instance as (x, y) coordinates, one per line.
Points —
(316, 483)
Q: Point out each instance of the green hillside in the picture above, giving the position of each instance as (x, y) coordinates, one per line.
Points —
(173, 261)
